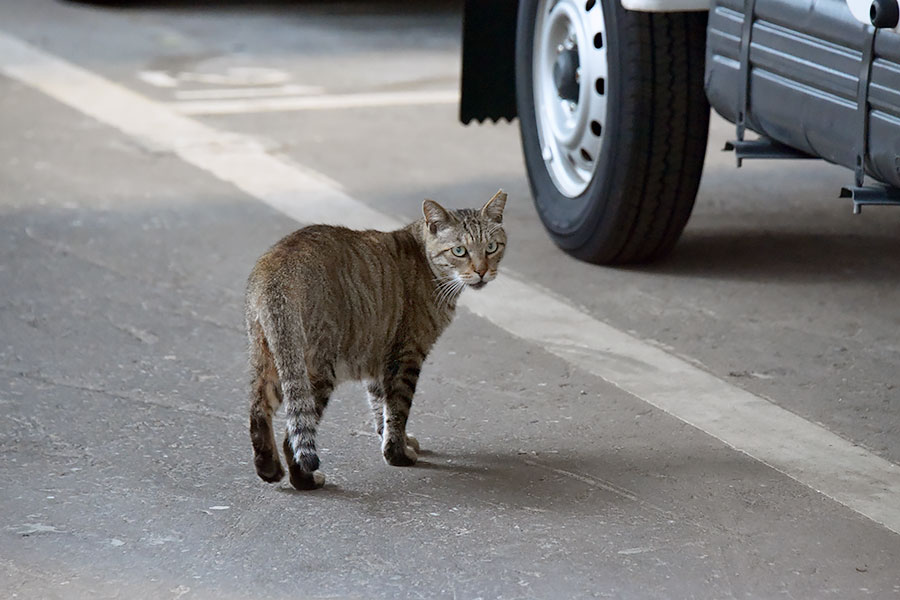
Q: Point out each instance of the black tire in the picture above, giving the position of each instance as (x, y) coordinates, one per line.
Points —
(651, 158)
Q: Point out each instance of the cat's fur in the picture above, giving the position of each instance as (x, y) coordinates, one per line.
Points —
(329, 304)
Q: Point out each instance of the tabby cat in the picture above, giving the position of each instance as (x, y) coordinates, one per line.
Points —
(329, 304)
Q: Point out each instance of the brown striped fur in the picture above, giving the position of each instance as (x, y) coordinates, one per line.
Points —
(329, 304)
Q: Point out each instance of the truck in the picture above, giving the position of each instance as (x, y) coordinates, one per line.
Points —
(613, 101)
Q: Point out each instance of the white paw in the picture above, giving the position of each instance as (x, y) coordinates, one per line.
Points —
(318, 478)
(412, 442)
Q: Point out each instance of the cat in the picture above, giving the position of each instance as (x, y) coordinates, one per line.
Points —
(330, 304)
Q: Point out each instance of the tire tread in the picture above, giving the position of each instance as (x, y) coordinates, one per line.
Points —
(655, 149)
(669, 183)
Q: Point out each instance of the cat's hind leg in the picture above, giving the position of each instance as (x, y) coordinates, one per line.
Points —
(265, 398)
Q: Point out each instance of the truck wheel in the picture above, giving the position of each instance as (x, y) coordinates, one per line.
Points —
(614, 123)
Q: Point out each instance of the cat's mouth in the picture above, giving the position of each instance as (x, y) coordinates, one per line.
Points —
(478, 286)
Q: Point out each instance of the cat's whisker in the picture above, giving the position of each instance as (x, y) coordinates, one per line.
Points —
(445, 292)
(448, 290)
(441, 280)
(457, 289)
(439, 291)
(445, 281)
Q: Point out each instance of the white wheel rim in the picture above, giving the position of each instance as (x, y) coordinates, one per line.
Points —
(570, 130)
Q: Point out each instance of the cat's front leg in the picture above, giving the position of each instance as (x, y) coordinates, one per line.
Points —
(398, 448)
(375, 394)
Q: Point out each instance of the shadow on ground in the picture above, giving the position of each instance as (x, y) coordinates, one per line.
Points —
(802, 256)
(571, 484)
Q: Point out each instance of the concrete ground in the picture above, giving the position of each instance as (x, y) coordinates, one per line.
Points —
(126, 464)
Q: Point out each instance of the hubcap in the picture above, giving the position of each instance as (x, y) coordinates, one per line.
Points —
(569, 71)
(565, 75)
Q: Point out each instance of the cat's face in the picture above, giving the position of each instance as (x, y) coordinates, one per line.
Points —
(465, 246)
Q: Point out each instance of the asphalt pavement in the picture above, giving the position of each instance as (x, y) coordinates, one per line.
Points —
(150, 152)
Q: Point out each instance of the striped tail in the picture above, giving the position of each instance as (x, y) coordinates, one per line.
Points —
(302, 418)
(303, 401)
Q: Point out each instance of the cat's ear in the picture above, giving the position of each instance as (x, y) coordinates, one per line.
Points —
(436, 216)
(493, 210)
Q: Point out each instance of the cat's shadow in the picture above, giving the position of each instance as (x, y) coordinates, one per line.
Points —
(574, 483)
(429, 460)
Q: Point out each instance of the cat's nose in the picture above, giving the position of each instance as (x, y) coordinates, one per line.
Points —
(481, 271)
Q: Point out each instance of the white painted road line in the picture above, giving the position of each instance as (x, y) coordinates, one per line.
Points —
(158, 79)
(241, 160)
(268, 91)
(323, 102)
(802, 450)
(790, 444)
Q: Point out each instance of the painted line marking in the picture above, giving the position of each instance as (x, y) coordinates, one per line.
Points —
(248, 92)
(158, 79)
(237, 75)
(804, 451)
(232, 76)
(240, 160)
(322, 102)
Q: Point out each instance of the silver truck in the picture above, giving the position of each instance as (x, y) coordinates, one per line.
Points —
(613, 99)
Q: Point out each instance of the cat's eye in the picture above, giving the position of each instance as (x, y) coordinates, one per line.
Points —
(458, 251)
(492, 247)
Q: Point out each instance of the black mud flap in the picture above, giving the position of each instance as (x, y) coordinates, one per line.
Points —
(488, 60)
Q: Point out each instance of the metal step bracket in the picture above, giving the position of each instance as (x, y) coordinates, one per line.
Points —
(871, 195)
(762, 148)
(861, 194)
(744, 93)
